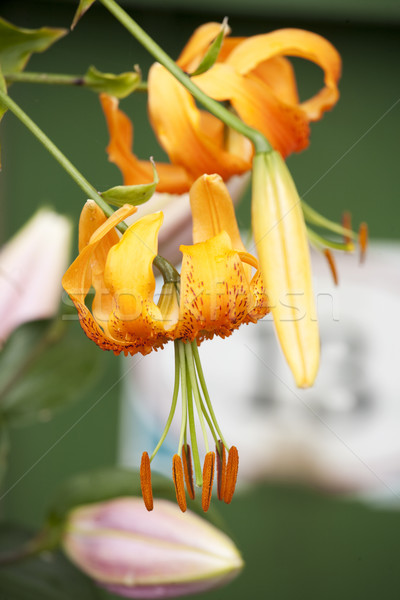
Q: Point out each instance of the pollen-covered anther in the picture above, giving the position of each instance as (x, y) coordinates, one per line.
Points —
(145, 481)
(363, 240)
(188, 470)
(208, 480)
(346, 222)
(221, 469)
(231, 474)
(177, 476)
(331, 262)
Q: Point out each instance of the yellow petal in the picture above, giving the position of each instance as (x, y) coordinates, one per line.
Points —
(173, 178)
(213, 211)
(180, 128)
(129, 279)
(294, 42)
(282, 247)
(78, 279)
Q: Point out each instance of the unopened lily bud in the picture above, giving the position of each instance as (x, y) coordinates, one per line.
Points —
(139, 554)
(281, 240)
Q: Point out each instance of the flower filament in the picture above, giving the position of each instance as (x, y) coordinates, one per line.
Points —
(189, 378)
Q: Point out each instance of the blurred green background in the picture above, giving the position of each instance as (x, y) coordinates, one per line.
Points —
(297, 543)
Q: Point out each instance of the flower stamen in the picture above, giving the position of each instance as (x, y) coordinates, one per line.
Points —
(208, 480)
(346, 222)
(221, 469)
(231, 474)
(331, 261)
(363, 240)
(188, 470)
(177, 476)
(145, 481)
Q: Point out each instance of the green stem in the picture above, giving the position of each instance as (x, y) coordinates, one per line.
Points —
(66, 164)
(173, 405)
(312, 216)
(182, 365)
(56, 79)
(167, 270)
(196, 393)
(260, 143)
(321, 242)
(207, 398)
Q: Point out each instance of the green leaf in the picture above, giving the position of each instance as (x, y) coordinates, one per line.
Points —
(116, 85)
(45, 577)
(213, 51)
(131, 194)
(84, 5)
(3, 109)
(18, 44)
(45, 367)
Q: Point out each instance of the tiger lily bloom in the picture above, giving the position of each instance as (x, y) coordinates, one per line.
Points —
(214, 295)
(255, 77)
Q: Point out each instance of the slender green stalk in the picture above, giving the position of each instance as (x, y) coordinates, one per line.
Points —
(312, 216)
(205, 392)
(57, 79)
(173, 405)
(66, 164)
(182, 366)
(196, 393)
(259, 141)
(321, 242)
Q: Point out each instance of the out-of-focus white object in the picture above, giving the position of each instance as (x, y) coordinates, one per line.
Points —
(31, 266)
(342, 434)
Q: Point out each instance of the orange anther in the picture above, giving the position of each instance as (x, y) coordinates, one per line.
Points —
(145, 481)
(221, 469)
(208, 479)
(231, 474)
(188, 470)
(331, 261)
(363, 240)
(177, 476)
(346, 222)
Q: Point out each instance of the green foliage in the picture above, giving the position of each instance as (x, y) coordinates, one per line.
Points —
(84, 5)
(44, 366)
(212, 53)
(18, 44)
(45, 577)
(131, 194)
(116, 85)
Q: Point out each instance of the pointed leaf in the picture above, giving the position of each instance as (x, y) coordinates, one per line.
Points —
(18, 44)
(213, 51)
(84, 5)
(44, 368)
(132, 194)
(115, 85)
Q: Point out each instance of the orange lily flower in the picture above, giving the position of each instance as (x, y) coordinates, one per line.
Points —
(217, 293)
(255, 77)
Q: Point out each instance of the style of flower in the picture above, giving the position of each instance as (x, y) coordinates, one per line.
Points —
(136, 555)
(214, 295)
(254, 76)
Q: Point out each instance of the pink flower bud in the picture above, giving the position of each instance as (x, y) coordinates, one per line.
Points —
(140, 554)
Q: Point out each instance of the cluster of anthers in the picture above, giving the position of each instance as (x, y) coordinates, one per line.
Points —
(190, 377)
